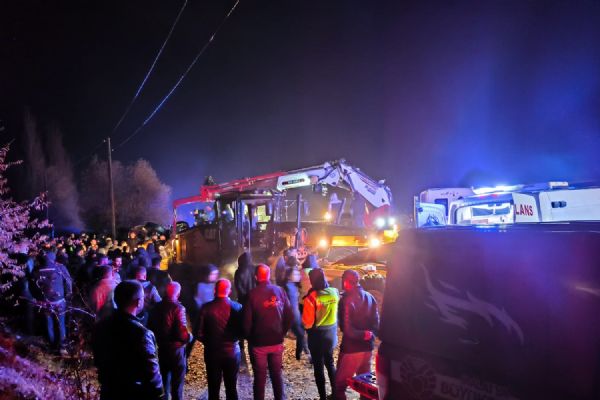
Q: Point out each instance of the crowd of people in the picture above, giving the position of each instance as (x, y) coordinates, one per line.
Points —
(79, 273)
(141, 336)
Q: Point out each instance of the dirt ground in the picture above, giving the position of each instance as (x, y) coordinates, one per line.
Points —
(298, 377)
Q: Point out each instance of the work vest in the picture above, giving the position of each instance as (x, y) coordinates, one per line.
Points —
(321, 308)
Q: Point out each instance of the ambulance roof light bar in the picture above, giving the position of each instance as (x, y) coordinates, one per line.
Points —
(496, 189)
(512, 188)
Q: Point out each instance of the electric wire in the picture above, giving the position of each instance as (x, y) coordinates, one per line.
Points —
(139, 89)
(150, 70)
(181, 78)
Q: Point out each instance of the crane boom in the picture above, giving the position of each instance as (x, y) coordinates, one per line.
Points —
(339, 174)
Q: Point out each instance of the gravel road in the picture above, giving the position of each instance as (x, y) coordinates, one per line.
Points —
(298, 377)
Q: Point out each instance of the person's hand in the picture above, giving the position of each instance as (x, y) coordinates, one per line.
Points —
(368, 335)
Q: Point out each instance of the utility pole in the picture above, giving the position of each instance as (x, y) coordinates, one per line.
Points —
(112, 191)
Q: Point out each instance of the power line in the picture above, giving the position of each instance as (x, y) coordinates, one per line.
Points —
(160, 51)
(181, 78)
(140, 88)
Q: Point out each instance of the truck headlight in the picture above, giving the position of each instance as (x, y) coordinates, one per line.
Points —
(374, 242)
(323, 243)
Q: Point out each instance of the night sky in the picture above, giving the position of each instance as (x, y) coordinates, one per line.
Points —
(424, 93)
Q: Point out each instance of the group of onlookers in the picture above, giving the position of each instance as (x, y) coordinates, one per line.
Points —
(261, 316)
(79, 273)
(142, 338)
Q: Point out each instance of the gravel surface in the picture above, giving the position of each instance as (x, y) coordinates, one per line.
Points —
(298, 377)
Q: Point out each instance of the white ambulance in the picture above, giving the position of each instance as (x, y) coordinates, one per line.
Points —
(542, 202)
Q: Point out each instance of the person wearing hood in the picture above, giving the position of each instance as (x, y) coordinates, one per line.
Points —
(319, 317)
(51, 285)
(243, 278)
(244, 282)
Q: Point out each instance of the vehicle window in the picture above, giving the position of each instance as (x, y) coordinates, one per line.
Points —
(489, 213)
(443, 202)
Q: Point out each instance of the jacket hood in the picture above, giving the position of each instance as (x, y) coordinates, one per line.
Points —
(317, 279)
(244, 260)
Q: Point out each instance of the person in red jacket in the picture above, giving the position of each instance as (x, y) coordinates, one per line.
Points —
(267, 317)
(168, 322)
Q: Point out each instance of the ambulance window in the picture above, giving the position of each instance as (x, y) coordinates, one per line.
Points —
(488, 213)
(485, 210)
(443, 202)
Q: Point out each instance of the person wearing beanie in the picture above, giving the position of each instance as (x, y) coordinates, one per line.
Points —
(319, 317)
(359, 321)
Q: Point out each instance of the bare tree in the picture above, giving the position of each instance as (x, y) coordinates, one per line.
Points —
(62, 191)
(140, 196)
(34, 156)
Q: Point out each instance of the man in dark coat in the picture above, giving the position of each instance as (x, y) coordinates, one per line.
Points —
(125, 351)
(168, 322)
(358, 319)
(267, 318)
(51, 285)
(219, 329)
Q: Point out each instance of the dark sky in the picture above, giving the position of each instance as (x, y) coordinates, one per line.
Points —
(424, 93)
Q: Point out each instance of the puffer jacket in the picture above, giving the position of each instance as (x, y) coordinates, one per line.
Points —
(127, 360)
(168, 322)
(358, 313)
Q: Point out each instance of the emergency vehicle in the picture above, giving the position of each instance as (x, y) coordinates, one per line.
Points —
(542, 202)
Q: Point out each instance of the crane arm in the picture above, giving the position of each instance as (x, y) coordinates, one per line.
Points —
(339, 174)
